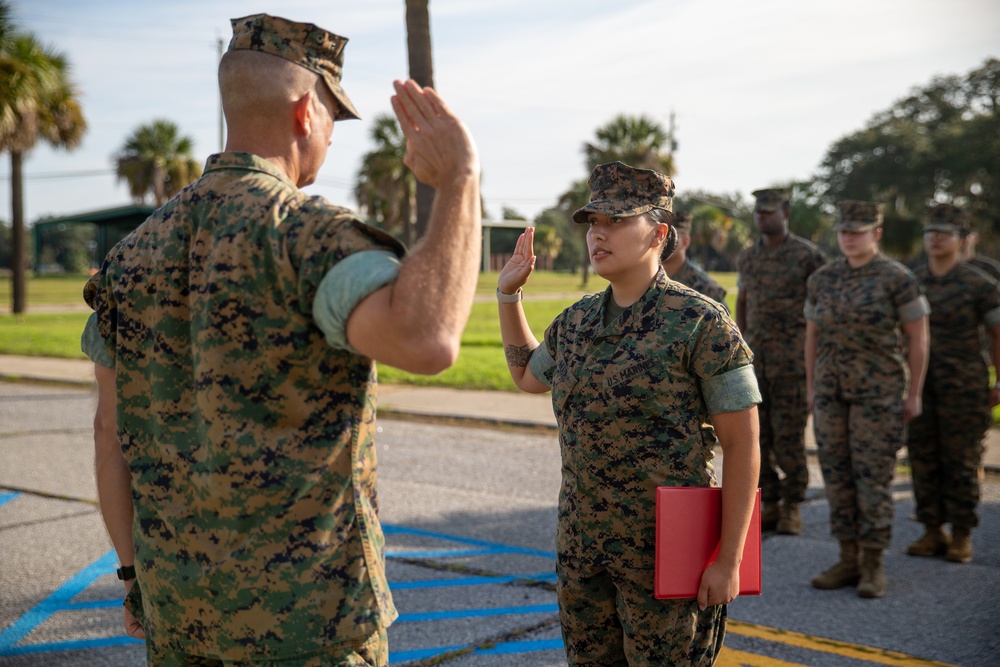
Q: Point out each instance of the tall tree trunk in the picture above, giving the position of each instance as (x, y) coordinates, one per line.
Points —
(418, 45)
(17, 244)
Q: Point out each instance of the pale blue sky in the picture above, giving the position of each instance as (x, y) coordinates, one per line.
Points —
(760, 89)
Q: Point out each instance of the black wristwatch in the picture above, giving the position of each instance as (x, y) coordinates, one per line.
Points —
(126, 572)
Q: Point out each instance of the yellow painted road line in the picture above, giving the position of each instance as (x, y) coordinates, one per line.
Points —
(733, 658)
(846, 649)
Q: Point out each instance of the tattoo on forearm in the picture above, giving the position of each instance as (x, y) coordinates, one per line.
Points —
(518, 355)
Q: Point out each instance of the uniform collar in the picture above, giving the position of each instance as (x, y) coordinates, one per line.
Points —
(643, 315)
(245, 162)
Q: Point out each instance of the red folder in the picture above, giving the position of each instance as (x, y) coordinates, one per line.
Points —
(688, 526)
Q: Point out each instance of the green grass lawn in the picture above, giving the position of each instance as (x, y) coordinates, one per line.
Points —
(480, 363)
(47, 291)
(481, 360)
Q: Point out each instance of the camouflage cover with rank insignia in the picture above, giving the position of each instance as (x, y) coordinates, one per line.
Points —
(248, 437)
(304, 44)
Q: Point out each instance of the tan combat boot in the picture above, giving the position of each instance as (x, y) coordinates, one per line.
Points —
(872, 584)
(769, 516)
(790, 521)
(844, 573)
(960, 550)
(934, 543)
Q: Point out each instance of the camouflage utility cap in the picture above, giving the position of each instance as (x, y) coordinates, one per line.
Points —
(858, 216)
(770, 199)
(304, 44)
(947, 218)
(618, 191)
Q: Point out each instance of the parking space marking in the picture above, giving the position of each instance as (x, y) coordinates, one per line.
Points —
(7, 496)
(477, 613)
(62, 600)
(487, 548)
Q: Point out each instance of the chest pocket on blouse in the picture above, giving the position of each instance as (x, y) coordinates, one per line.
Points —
(873, 307)
(648, 395)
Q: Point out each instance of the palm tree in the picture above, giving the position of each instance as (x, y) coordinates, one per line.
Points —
(418, 47)
(386, 189)
(156, 160)
(635, 140)
(37, 101)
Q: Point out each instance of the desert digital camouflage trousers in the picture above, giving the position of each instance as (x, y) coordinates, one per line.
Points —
(945, 444)
(610, 618)
(783, 414)
(857, 442)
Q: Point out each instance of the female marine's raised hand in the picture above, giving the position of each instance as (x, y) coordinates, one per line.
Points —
(518, 268)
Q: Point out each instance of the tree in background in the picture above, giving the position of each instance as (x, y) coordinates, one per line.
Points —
(386, 188)
(569, 202)
(67, 247)
(572, 247)
(811, 218)
(37, 102)
(939, 143)
(418, 49)
(5, 245)
(720, 227)
(156, 160)
(637, 141)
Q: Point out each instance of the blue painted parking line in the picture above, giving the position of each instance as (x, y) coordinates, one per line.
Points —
(503, 648)
(487, 548)
(477, 613)
(7, 496)
(61, 600)
(527, 646)
(75, 645)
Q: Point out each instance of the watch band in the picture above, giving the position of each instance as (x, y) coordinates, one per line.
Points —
(126, 572)
(509, 298)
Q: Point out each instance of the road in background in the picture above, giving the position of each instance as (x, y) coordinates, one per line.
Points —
(470, 519)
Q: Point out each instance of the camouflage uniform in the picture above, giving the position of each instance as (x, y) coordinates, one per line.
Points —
(249, 437)
(945, 442)
(695, 277)
(245, 417)
(630, 398)
(774, 281)
(860, 380)
(986, 264)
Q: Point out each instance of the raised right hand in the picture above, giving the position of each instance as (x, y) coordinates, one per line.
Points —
(518, 268)
(439, 148)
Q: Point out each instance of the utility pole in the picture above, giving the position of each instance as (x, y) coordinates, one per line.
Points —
(671, 135)
(221, 115)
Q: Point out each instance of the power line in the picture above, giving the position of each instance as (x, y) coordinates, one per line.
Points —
(52, 175)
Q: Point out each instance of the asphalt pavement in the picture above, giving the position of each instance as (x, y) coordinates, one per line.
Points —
(468, 484)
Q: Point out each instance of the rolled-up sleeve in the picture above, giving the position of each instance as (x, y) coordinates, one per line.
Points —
(541, 364)
(809, 311)
(93, 345)
(345, 285)
(731, 391)
(914, 310)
